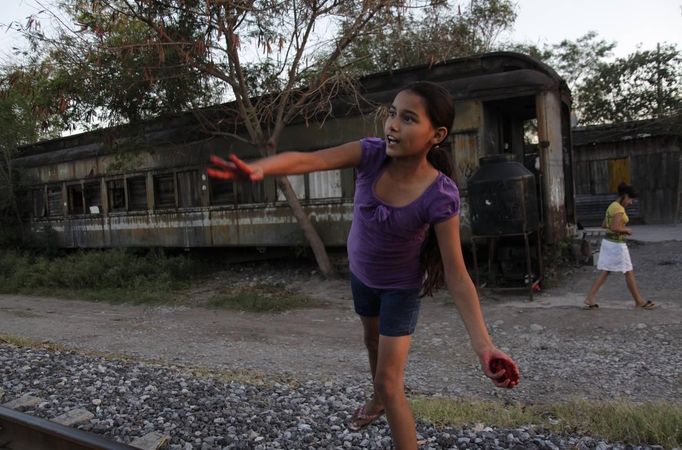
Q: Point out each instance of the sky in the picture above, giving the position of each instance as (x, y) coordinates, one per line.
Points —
(628, 22)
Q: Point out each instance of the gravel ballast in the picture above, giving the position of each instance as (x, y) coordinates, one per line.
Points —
(131, 399)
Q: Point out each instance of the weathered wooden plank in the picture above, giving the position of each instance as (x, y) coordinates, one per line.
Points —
(599, 171)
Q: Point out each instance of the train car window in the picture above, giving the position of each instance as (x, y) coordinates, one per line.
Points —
(117, 195)
(325, 184)
(188, 189)
(75, 196)
(54, 201)
(38, 197)
(92, 194)
(248, 192)
(222, 192)
(137, 194)
(297, 184)
(164, 191)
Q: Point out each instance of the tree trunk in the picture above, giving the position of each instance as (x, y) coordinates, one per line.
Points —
(306, 225)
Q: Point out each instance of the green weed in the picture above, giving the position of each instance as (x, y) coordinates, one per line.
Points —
(110, 275)
(261, 298)
(617, 421)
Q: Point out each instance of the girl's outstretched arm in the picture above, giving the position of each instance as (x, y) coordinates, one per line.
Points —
(463, 292)
(289, 163)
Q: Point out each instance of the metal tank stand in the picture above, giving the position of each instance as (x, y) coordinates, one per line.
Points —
(492, 241)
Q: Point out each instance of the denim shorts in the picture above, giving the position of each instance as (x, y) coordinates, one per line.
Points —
(398, 309)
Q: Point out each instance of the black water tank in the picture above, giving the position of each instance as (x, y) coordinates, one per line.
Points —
(502, 198)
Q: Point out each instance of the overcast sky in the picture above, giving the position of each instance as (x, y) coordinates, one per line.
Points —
(628, 22)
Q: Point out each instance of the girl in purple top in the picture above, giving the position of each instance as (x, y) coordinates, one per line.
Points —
(404, 240)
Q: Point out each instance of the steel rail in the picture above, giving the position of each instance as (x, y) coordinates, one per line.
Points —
(19, 431)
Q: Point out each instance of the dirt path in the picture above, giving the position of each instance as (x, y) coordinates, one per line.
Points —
(564, 352)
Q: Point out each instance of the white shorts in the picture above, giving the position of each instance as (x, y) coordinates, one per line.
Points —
(614, 257)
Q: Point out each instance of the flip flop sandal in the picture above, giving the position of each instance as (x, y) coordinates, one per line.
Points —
(592, 306)
(360, 420)
(648, 305)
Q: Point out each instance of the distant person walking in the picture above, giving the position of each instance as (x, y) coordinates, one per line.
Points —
(614, 255)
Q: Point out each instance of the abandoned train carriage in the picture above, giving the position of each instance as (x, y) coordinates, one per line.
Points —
(145, 184)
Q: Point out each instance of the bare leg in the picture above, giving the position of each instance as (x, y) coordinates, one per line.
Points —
(389, 385)
(598, 283)
(370, 326)
(632, 286)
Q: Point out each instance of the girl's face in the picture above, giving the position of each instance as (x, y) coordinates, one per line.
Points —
(408, 129)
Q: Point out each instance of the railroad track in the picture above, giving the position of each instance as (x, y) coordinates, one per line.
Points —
(19, 431)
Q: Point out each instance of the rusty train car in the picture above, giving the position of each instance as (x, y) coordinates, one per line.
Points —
(144, 185)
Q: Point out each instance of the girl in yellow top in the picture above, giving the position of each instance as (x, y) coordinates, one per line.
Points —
(613, 254)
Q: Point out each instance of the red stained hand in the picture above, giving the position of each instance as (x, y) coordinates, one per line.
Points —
(235, 169)
(500, 368)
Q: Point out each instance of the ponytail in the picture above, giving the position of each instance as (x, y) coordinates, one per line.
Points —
(430, 257)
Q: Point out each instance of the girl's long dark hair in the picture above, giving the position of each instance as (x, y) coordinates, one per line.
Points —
(441, 111)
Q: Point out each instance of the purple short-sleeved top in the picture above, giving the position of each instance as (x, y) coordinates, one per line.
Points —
(385, 242)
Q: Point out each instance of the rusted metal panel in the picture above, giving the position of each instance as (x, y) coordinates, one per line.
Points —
(468, 116)
(548, 105)
(203, 227)
(465, 156)
(334, 131)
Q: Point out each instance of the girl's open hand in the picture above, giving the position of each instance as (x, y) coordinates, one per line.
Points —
(235, 169)
(500, 368)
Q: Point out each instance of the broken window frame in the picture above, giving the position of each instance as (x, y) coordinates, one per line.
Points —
(136, 193)
(222, 192)
(92, 196)
(55, 207)
(165, 198)
(250, 193)
(116, 195)
(188, 188)
(75, 201)
(39, 201)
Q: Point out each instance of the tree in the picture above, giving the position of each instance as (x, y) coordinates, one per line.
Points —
(278, 59)
(104, 69)
(645, 84)
(574, 61)
(430, 35)
(21, 124)
(577, 60)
